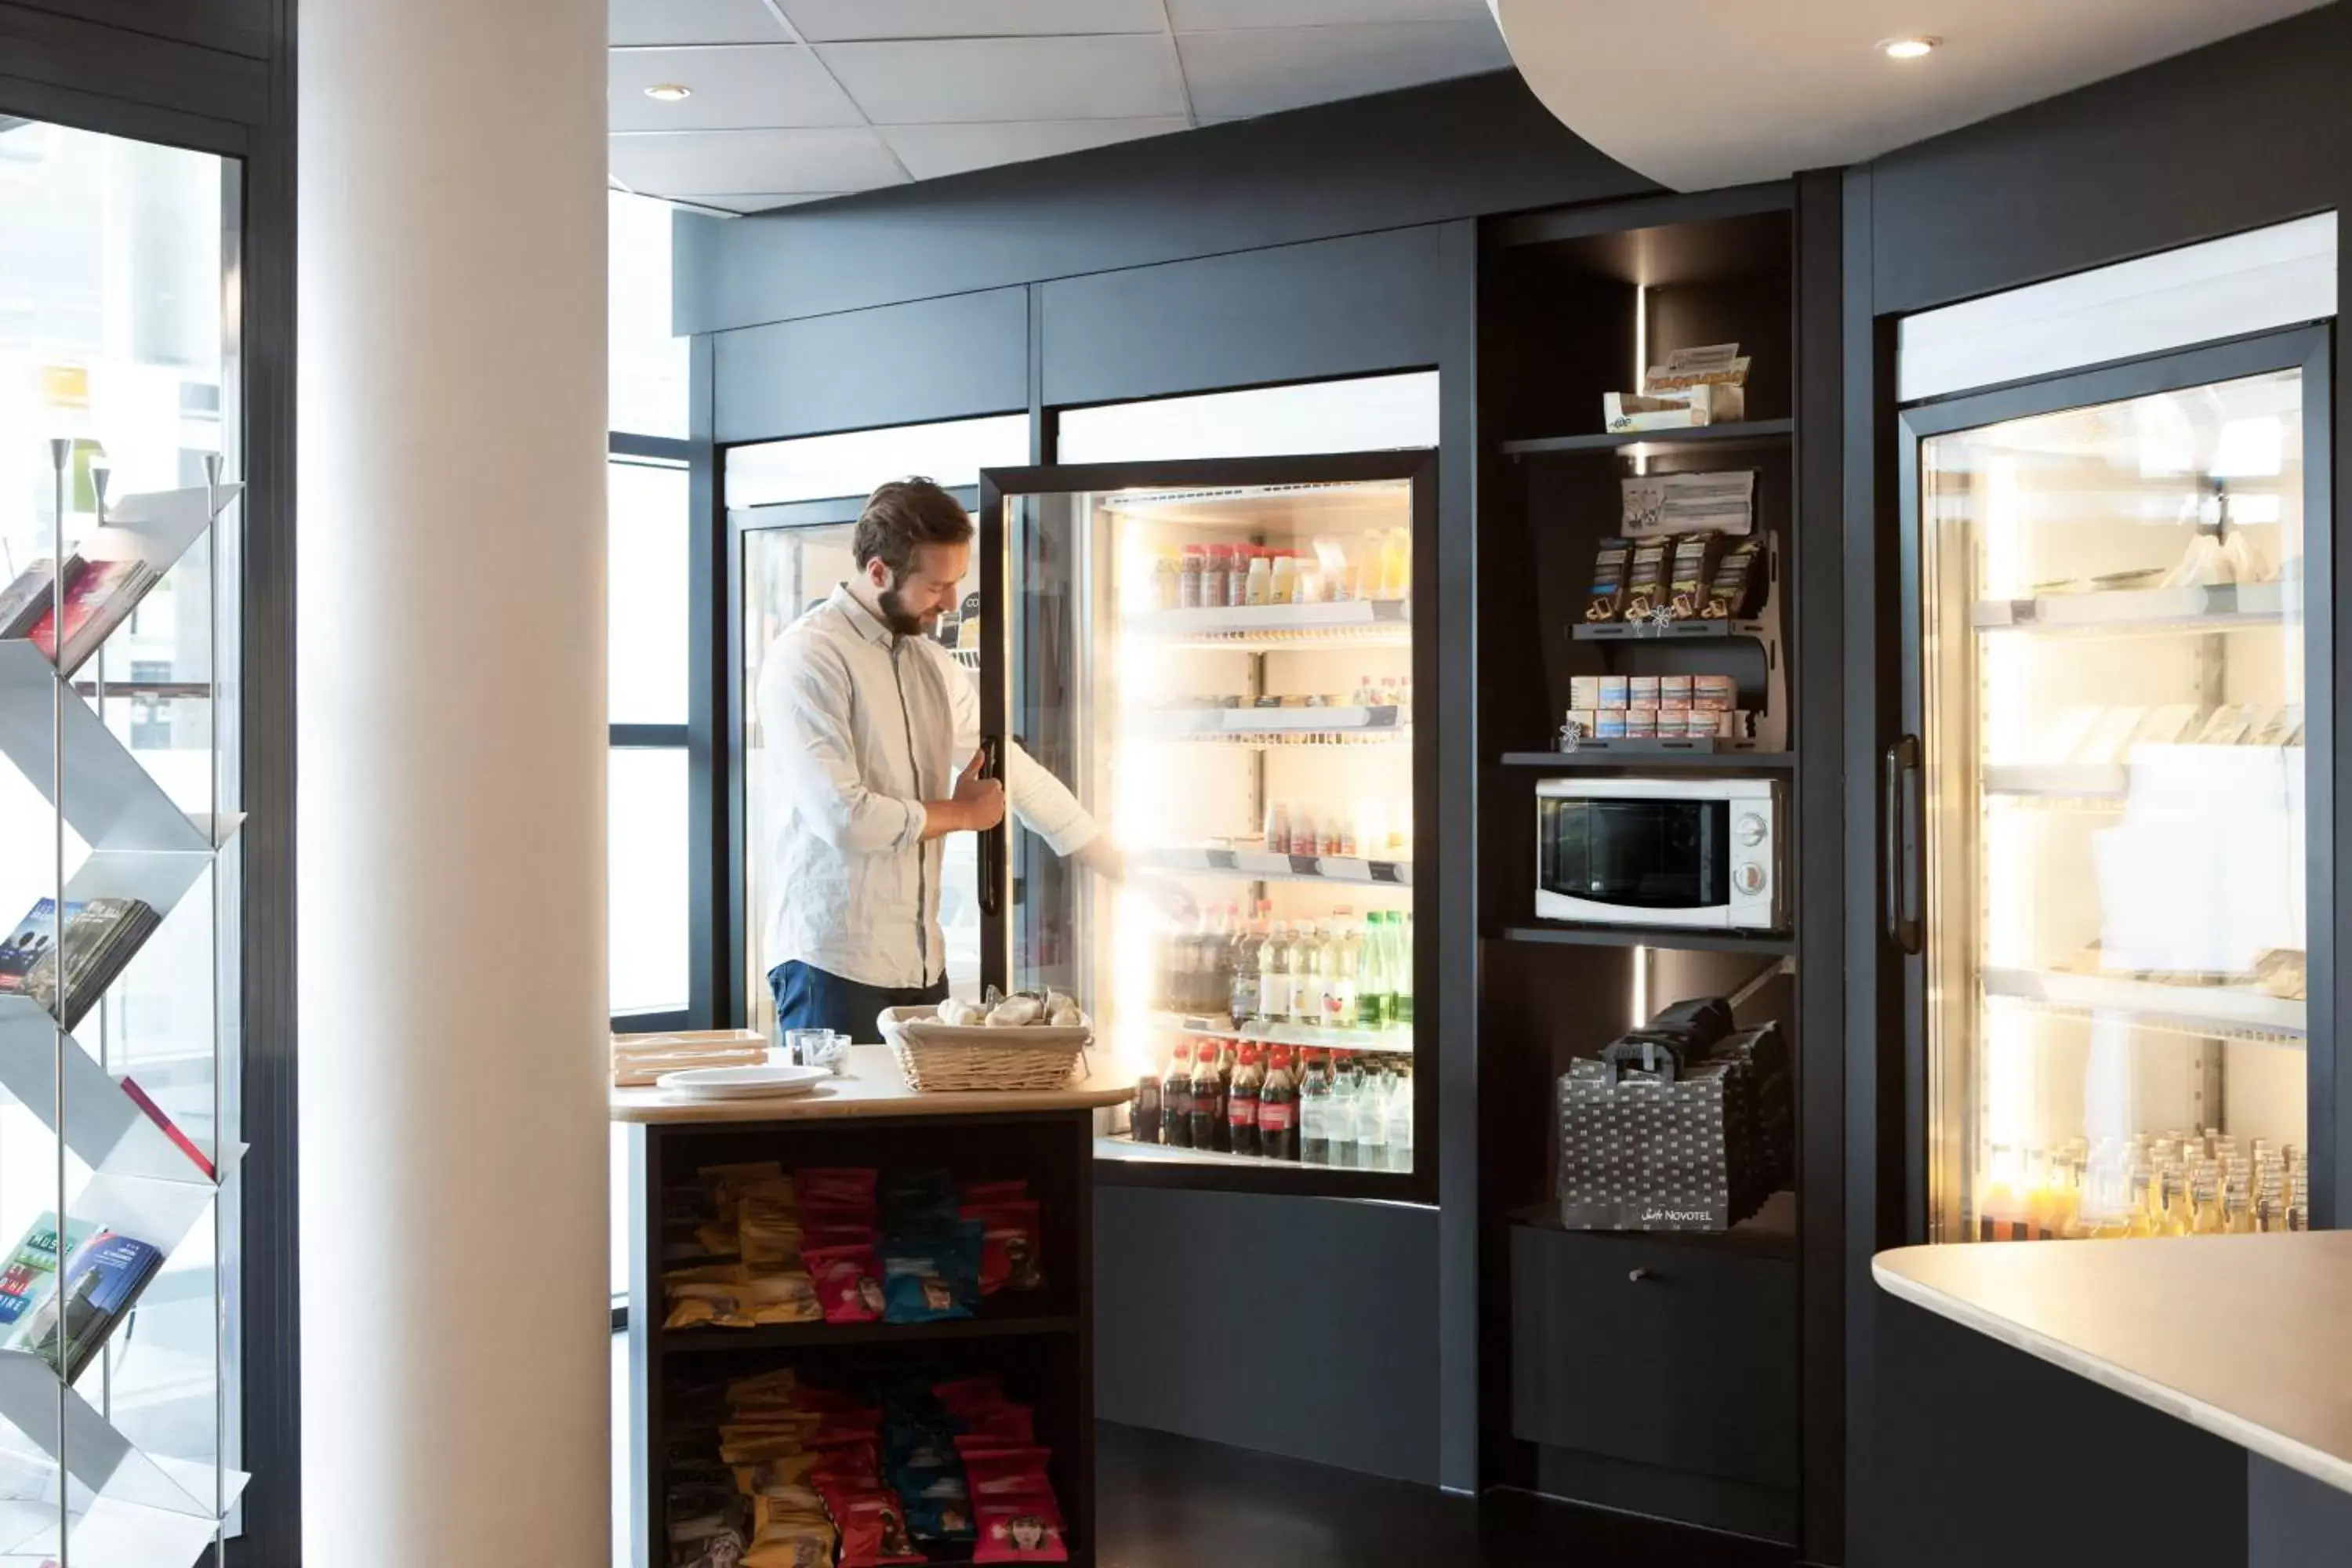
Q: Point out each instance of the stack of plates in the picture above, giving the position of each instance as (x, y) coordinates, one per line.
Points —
(742, 1082)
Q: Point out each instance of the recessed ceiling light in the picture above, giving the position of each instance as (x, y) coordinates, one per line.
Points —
(668, 92)
(1909, 48)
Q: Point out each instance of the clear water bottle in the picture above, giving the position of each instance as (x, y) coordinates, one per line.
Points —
(1372, 1120)
(1400, 1109)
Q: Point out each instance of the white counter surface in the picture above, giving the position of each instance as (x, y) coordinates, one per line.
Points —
(2249, 1337)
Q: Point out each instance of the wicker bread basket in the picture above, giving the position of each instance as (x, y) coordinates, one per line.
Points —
(936, 1056)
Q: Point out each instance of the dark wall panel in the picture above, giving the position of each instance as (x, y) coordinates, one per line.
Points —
(1458, 149)
(2292, 1520)
(2243, 134)
(933, 358)
(1297, 1326)
(240, 26)
(1334, 307)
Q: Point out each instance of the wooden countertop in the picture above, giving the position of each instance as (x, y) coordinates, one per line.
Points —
(874, 1088)
(2241, 1335)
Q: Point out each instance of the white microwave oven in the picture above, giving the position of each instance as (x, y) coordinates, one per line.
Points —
(1700, 854)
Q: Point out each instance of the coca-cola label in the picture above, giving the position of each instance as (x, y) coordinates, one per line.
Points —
(1242, 1112)
(1276, 1115)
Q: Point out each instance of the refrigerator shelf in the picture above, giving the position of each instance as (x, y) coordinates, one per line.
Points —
(2215, 1010)
(1331, 623)
(2223, 607)
(1392, 1042)
(1251, 724)
(2059, 781)
(1123, 1147)
(1259, 866)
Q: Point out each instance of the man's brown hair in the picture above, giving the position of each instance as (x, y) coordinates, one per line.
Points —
(905, 513)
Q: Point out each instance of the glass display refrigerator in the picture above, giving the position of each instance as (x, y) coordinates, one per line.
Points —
(1220, 658)
(2099, 852)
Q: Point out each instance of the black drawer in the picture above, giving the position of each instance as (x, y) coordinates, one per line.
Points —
(1664, 1353)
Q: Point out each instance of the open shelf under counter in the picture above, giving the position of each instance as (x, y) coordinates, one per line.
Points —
(999, 1318)
(2226, 1012)
(2219, 609)
(1279, 629)
(1640, 443)
(1762, 944)
(1769, 1232)
(1394, 1042)
(1261, 866)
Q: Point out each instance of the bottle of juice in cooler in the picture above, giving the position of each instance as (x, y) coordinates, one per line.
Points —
(1176, 1098)
(1241, 1102)
(1237, 574)
(1276, 837)
(1167, 572)
(1273, 977)
(1315, 1111)
(1307, 977)
(1306, 832)
(1278, 1109)
(1257, 586)
(1282, 579)
(1396, 564)
(1209, 1127)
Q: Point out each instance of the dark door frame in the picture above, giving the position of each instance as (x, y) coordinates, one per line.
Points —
(219, 78)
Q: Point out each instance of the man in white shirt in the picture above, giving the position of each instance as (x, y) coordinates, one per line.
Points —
(872, 736)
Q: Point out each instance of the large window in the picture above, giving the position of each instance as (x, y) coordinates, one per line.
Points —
(121, 780)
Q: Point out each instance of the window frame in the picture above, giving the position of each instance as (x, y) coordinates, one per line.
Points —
(667, 452)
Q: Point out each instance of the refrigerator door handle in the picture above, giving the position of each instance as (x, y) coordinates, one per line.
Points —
(992, 843)
(1903, 810)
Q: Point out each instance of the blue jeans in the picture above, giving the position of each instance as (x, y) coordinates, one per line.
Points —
(810, 998)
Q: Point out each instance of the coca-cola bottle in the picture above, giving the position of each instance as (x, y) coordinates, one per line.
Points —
(1278, 1109)
(1145, 1122)
(1208, 1130)
(1176, 1100)
(1241, 1102)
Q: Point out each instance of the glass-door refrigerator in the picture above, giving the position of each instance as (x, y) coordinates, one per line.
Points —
(1220, 660)
(2100, 855)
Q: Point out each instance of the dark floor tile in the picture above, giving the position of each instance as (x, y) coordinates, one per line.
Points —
(1166, 1501)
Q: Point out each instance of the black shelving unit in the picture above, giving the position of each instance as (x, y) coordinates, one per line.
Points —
(1694, 760)
(995, 1323)
(1652, 936)
(1716, 438)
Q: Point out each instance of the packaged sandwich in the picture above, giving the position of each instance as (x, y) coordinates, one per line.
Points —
(1735, 589)
(1648, 578)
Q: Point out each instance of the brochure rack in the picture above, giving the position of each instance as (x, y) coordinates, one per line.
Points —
(118, 1033)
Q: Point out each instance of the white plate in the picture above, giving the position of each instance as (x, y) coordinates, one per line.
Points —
(743, 1083)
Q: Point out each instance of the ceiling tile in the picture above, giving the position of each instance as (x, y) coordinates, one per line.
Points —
(1213, 16)
(931, 150)
(833, 21)
(1126, 76)
(706, 163)
(763, 202)
(740, 87)
(1265, 70)
(693, 22)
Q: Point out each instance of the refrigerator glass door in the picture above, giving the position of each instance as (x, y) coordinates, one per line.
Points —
(1222, 677)
(2113, 667)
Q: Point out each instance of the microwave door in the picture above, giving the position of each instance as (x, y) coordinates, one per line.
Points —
(1635, 861)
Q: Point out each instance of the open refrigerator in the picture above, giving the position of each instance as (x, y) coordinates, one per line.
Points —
(2100, 852)
(1220, 658)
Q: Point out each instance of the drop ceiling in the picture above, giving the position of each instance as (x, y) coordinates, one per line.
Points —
(794, 100)
(1733, 91)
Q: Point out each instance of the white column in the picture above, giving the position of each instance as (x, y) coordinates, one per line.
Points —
(450, 592)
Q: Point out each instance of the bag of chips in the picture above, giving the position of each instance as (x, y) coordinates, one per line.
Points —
(1008, 1244)
(1020, 1529)
(980, 1194)
(793, 1540)
(928, 1280)
(874, 1531)
(999, 1426)
(941, 1511)
(969, 1390)
(848, 1282)
(768, 1227)
(1007, 1472)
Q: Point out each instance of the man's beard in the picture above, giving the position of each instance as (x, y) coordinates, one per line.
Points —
(901, 623)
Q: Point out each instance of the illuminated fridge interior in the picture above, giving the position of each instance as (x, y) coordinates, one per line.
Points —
(1224, 674)
(2113, 641)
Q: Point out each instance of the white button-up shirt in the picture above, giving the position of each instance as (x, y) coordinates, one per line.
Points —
(859, 728)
